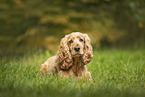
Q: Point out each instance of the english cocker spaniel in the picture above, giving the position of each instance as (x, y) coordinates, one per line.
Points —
(75, 51)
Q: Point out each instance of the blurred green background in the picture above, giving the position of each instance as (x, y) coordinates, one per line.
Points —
(40, 24)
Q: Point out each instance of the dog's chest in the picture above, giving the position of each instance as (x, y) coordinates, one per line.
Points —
(77, 70)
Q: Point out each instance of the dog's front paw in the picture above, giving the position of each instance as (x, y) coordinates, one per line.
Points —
(88, 76)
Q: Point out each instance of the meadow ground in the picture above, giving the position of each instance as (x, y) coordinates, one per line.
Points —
(115, 73)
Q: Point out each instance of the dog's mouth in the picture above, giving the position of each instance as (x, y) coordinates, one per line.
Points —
(77, 54)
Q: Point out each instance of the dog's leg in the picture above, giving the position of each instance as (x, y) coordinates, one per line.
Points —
(86, 74)
(43, 70)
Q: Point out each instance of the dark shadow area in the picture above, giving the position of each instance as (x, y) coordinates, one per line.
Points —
(45, 91)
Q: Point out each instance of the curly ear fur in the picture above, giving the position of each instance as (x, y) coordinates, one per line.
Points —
(64, 59)
(88, 53)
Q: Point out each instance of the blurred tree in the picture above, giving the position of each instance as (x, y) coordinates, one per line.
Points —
(30, 23)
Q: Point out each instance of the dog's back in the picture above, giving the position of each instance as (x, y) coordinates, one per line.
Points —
(48, 65)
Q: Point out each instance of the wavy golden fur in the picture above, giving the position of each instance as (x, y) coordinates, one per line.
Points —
(75, 51)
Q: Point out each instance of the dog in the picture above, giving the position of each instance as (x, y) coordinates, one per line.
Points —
(75, 51)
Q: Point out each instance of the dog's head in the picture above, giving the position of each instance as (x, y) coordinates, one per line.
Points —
(74, 45)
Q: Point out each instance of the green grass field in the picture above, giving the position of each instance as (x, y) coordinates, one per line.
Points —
(115, 73)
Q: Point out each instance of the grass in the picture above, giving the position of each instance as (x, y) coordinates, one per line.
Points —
(115, 73)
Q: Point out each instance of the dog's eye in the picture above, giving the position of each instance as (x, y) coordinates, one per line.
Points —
(81, 40)
(70, 41)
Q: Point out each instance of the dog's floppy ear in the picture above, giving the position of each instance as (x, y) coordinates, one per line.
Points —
(88, 52)
(64, 59)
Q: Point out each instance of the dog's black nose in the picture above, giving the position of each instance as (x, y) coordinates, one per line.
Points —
(77, 48)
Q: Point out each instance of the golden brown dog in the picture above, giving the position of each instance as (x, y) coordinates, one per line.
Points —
(75, 51)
